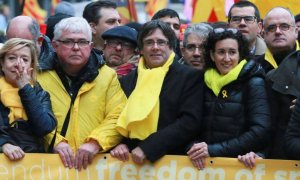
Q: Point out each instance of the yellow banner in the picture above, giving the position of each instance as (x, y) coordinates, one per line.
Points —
(104, 167)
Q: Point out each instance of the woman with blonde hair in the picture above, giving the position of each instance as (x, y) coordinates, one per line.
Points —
(25, 108)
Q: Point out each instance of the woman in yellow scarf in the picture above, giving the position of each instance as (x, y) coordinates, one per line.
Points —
(22, 101)
(236, 111)
(164, 106)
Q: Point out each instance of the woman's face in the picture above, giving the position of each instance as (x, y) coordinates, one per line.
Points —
(225, 55)
(14, 60)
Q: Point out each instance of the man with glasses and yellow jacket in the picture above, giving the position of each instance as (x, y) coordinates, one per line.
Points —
(85, 94)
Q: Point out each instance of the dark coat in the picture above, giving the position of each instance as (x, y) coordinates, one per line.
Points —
(292, 136)
(283, 86)
(47, 53)
(180, 111)
(238, 122)
(37, 105)
(279, 58)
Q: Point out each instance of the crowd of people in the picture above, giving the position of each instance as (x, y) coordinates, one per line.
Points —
(228, 89)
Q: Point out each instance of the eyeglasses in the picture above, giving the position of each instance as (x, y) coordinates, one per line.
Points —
(221, 30)
(115, 43)
(71, 43)
(160, 43)
(193, 47)
(238, 19)
(282, 27)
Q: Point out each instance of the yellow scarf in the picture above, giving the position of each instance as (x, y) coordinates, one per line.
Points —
(269, 57)
(215, 81)
(140, 116)
(10, 98)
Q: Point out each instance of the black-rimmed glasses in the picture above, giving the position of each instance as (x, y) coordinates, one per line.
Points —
(115, 43)
(193, 47)
(282, 27)
(71, 43)
(238, 19)
(151, 43)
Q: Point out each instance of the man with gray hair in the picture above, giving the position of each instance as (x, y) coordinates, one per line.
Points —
(192, 46)
(85, 94)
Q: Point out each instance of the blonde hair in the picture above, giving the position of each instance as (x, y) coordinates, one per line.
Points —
(14, 42)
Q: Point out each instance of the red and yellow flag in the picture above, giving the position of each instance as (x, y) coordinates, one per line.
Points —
(155, 5)
(215, 10)
(54, 3)
(127, 11)
(32, 8)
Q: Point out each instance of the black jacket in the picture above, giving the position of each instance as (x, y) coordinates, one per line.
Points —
(292, 136)
(47, 53)
(180, 114)
(37, 105)
(239, 122)
(283, 86)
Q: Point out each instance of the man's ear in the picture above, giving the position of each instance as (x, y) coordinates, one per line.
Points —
(136, 51)
(54, 44)
(182, 50)
(212, 55)
(93, 27)
(40, 40)
(263, 33)
(91, 45)
(260, 28)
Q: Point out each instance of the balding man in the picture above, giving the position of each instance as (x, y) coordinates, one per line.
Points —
(27, 28)
(280, 33)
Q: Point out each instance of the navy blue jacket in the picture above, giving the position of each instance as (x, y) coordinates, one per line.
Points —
(37, 105)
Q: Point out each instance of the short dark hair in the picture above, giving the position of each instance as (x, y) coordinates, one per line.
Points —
(215, 37)
(149, 27)
(297, 18)
(241, 4)
(91, 11)
(164, 13)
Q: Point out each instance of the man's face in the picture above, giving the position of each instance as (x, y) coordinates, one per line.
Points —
(73, 56)
(298, 24)
(280, 33)
(174, 23)
(19, 29)
(193, 51)
(109, 18)
(249, 29)
(117, 52)
(156, 50)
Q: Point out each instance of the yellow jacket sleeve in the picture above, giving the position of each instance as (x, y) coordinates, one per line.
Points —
(106, 134)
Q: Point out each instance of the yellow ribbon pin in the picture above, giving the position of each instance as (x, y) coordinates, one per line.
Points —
(224, 93)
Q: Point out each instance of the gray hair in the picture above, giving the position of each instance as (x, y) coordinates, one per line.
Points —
(283, 8)
(201, 30)
(73, 25)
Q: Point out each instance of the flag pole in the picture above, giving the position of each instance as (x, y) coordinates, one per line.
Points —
(22, 6)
